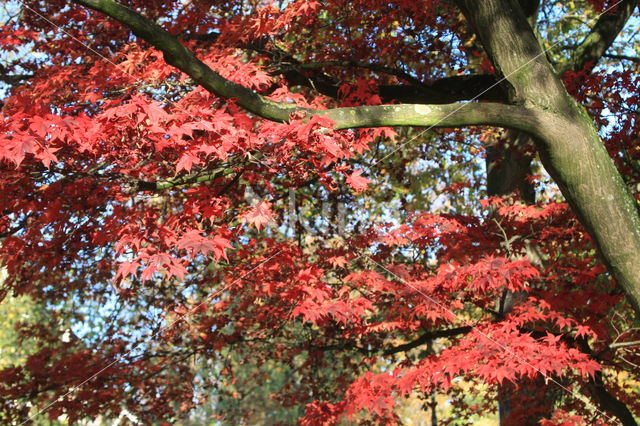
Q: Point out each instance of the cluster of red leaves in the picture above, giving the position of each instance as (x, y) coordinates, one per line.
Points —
(132, 176)
(539, 337)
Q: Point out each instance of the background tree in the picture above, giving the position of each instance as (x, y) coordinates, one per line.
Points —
(127, 160)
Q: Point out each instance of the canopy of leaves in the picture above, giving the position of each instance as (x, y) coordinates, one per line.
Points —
(210, 264)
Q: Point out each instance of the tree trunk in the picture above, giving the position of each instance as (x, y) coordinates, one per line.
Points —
(571, 151)
(508, 164)
(566, 138)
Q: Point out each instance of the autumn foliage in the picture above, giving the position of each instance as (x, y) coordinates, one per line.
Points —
(125, 215)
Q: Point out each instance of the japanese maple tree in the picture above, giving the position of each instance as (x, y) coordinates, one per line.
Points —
(213, 201)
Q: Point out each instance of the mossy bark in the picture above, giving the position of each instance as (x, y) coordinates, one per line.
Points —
(566, 138)
(571, 151)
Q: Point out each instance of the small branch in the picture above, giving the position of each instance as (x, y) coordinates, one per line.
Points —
(422, 340)
(182, 180)
(18, 227)
(426, 338)
(13, 79)
(624, 344)
(622, 57)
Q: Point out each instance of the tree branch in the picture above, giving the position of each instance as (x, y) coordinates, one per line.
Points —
(601, 37)
(609, 402)
(182, 180)
(426, 338)
(451, 115)
(182, 58)
(422, 340)
(352, 64)
(14, 79)
(481, 87)
(624, 344)
(446, 90)
(635, 59)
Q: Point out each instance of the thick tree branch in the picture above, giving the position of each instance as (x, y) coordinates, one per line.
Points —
(603, 34)
(609, 402)
(351, 64)
(480, 87)
(446, 90)
(483, 87)
(182, 58)
(451, 115)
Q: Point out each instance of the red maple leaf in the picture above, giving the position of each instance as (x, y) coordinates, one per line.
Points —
(259, 215)
(194, 242)
(187, 161)
(220, 244)
(15, 149)
(357, 182)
